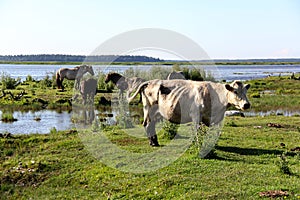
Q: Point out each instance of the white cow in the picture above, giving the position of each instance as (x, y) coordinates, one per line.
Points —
(182, 101)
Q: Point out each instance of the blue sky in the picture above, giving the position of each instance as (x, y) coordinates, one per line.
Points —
(224, 29)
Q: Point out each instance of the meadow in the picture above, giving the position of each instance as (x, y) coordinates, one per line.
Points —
(252, 159)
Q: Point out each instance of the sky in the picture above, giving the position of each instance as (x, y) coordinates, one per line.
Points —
(231, 29)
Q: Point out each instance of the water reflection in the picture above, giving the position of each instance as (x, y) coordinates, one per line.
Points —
(27, 122)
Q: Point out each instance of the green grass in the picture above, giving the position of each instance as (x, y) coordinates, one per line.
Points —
(250, 157)
(246, 161)
(274, 93)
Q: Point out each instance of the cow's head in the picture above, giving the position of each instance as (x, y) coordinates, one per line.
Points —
(237, 95)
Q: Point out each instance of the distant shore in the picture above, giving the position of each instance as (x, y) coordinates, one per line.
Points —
(154, 63)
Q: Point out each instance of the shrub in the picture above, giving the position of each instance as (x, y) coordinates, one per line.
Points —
(46, 82)
(29, 78)
(8, 82)
(195, 75)
(169, 130)
(102, 85)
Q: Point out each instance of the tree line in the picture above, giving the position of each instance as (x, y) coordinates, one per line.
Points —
(76, 58)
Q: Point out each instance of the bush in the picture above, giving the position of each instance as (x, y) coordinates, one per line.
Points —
(195, 75)
(46, 82)
(169, 130)
(102, 85)
(29, 78)
(9, 83)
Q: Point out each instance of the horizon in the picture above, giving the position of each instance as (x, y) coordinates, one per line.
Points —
(225, 30)
(229, 59)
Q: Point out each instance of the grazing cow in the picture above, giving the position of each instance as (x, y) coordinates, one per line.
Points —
(183, 101)
(176, 75)
(75, 73)
(88, 90)
(124, 83)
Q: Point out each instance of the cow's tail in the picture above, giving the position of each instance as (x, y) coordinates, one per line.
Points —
(137, 91)
(58, 80)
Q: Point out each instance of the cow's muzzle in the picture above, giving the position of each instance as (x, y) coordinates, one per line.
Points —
(246, 106)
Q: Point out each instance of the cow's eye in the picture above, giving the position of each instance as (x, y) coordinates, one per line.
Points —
(235, 92)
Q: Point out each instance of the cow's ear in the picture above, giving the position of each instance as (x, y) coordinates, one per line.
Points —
(247, 86)
(229, 87)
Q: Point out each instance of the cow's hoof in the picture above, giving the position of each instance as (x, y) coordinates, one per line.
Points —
(154, 144)
(153, 141)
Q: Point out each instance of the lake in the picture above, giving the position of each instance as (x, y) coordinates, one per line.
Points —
(220, 72)
(62, 121)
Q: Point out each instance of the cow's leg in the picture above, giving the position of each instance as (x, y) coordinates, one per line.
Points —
(149, 125)
(121, 94)
(151, 133)
(62, 85)
(195, 114)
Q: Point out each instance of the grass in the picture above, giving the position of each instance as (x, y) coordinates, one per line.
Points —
(245, 162)
(274, 93)
(250, 156)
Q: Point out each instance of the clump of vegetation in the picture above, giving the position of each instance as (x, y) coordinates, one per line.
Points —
(29, 78)
(108, 87)
(46, 82)
(53, 130)
(7, 117)
(231, 124)
(255, 95)
(169, 130)
(283, 164)
(8, 82)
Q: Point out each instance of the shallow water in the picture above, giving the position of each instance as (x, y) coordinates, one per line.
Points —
(286, 113)
(27, 124)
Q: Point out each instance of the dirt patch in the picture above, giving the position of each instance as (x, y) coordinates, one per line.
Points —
(274, 193)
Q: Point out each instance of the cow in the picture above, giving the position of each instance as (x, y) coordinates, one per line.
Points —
(123, 83)
(88, 89)
(176, 75)
(183, 101)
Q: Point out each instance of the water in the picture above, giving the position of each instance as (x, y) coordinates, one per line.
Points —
(220, 72)
(27, 124)
(250, 72)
